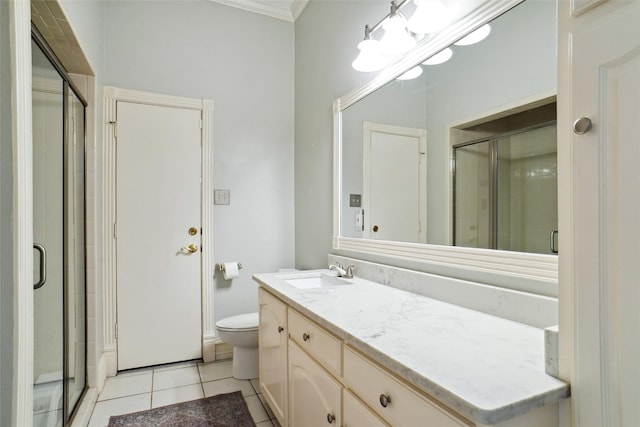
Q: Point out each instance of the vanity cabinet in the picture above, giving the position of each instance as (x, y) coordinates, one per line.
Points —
(309, 376)
(392, 398)
(356, 414)
(272, 339)
(314, 395)
(322, 345)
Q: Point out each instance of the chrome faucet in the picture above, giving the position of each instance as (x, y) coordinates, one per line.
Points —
(347, 274)
(338, 268)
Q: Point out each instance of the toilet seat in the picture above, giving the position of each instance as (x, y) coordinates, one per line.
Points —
(241, 322)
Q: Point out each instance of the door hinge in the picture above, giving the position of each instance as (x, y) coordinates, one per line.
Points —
(201, 124)
(115, 329)
(115, 230)
(115, 128)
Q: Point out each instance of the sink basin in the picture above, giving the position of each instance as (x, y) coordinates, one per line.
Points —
(315, 280)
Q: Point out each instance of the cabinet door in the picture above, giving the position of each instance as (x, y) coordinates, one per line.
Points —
(356, 414)
(273, 354)
(314, 395)
(599, 237)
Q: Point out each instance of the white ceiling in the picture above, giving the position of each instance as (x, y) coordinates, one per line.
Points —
(287, 10)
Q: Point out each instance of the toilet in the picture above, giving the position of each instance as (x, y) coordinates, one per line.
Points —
(241, 332)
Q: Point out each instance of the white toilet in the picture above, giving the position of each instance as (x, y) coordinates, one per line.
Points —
(241, 332)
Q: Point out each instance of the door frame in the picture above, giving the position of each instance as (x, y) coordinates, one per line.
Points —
(111, 96)
(421, 134)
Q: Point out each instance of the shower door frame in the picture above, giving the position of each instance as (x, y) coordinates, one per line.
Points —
(493, 142)
(68, 88)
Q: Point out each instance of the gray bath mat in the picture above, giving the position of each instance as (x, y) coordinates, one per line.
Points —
(223, 410)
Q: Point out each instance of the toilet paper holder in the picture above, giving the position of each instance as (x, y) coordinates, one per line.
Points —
(220, 266)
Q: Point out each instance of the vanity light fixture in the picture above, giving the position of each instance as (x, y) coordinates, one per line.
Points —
(413, 73)
(400, 35)
(475, 37)
(440, 57)
(430, 16)
(397, 39)
(370, 58)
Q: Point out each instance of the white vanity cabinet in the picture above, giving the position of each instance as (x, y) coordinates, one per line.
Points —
(393, 399)
(273, 353)
(356, 414)
(314, 395)
(315, 373)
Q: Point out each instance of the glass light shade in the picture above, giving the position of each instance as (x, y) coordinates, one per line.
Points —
(430, 16)
(411, 74)
(475, 37)
(370, 58)
(440, 57)
(396, 39)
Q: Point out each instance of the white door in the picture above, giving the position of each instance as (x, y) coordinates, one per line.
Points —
(394, 194)
(601, 304)
(158, 202)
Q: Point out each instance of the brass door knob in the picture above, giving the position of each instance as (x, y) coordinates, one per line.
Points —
(192, 248)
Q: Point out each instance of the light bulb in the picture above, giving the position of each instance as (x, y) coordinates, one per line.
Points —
(475, 37)
(430, 16)
(396, 39)
(369, 58)
(411, 74)
(440, 57)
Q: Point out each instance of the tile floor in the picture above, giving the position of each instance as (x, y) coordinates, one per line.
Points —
(153, 387)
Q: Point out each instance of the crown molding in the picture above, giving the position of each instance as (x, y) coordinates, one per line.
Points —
(287, 10)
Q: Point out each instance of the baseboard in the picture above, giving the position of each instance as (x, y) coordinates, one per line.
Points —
(213, 348)
(83, 416)
(224, 351)
(111, 362)
(101, 374)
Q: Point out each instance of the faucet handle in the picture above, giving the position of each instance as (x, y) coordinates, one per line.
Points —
(350, 269)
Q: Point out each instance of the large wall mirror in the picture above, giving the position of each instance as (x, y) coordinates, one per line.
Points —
(457, 166)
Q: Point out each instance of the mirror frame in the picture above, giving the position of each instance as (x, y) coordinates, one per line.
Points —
(539, 268)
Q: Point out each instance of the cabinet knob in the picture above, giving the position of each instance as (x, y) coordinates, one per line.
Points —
(385, 400)
(582, 125)
(280, 329)
(330, 418)
(306, 337)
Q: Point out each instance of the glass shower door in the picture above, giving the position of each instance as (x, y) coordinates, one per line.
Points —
(506, 191)
(48, 235)
(59, 244)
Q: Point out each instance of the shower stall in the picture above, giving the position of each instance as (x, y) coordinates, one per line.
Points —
(506, 191)
(59, 366)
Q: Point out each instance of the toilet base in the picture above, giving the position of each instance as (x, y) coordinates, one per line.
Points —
(245, 363)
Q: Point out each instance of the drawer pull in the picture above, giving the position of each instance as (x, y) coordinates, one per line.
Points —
(306, 337)
(280, 329)
(330, 418)
(385, 400)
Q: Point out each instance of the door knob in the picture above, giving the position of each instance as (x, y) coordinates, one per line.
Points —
(192, 248)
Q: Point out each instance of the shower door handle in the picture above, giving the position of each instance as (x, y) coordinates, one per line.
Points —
(552, 242)
(43, 265)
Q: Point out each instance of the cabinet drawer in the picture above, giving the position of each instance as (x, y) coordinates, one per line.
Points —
(404, 405)
(324, 347)
(356, 414)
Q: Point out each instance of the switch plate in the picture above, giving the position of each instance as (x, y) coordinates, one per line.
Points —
(359, 220)
(355, 200)
(221, 197)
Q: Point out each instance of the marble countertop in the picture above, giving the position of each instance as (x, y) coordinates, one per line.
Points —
(487, 368)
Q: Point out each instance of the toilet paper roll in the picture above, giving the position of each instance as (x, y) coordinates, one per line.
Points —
(230, 270)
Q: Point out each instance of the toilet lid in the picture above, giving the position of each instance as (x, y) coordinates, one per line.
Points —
(239, 322)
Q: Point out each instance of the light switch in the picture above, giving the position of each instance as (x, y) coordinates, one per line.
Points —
(221, 197)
